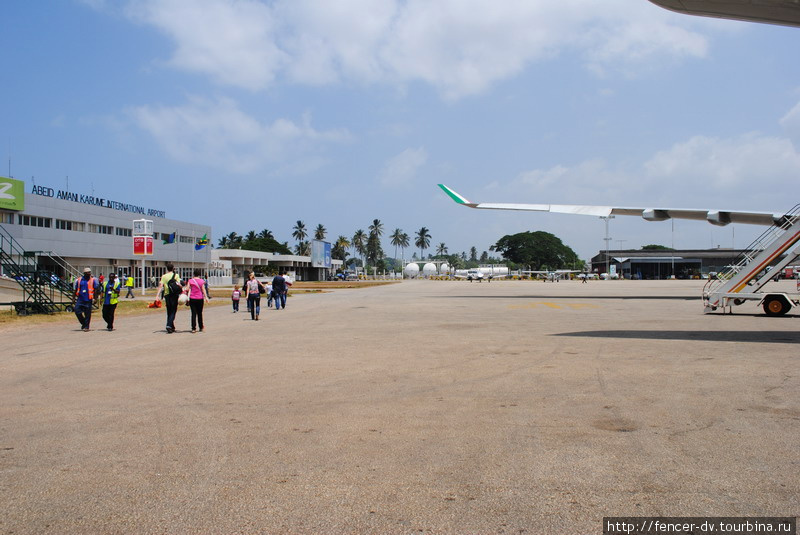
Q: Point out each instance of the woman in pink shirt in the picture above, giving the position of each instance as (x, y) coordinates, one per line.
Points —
(197, 297)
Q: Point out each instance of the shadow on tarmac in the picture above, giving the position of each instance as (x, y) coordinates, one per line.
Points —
(759, 337)
(579, 297)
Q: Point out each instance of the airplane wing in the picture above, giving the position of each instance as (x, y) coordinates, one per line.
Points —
(715, 217)
(784, 12)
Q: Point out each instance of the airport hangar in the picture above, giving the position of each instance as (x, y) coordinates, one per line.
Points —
(662, 263)
(63, 227)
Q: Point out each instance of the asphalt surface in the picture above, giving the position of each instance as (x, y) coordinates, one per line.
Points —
(420, 407)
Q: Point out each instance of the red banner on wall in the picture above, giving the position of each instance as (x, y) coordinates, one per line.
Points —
(143, 245)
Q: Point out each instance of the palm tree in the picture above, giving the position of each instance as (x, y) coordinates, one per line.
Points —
(299, 231)
(340, 248)
(359, 243)
(223, 242)
(373, 247)
(376, 227)
(320, 232)
(397, 238)
(250, 236)
(405, 241)
(234, 241)
(266, 234)
(441, 249)
(423, 241)
(303, 248)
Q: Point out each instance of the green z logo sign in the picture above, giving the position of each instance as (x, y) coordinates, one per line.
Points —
(12, 194)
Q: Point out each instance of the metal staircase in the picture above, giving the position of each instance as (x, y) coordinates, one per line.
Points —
(44, 292)
(749, 274)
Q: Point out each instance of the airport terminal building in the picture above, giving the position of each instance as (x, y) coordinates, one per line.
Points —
(97, 232)
(67, 231)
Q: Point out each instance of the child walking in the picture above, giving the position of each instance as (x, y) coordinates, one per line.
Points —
(235, 296)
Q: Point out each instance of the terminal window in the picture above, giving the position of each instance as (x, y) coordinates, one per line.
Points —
(34, 221)
(63, 224)
(7, 218)
(101, 229)
(187, 239)
(124, 231)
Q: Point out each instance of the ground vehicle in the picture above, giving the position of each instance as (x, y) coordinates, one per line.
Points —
(743, 281)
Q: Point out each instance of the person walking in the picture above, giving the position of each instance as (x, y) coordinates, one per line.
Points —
(170, 289)
(87, 290)
(129, 286)
(198, 296)
(111, 289)
(280, 287)
(269, 293)
(253, 289)
(236, 295)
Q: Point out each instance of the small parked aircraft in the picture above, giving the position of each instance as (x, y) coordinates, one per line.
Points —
(554, 275)
(479, 275)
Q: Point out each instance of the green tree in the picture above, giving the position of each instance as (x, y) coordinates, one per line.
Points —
(299, 232)
(397, 238)
(373, 247)
(320, 232)
(339, 249)
(359, 244)
(441, 249)
(473, 254)
(540, 250)
(405, 241)
(263, 241)
(423, 241)
(654, 247)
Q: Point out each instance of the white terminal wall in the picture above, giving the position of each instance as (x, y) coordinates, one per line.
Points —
(91, 245)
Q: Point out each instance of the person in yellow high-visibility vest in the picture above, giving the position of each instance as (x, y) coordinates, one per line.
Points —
(110, 289)
(129, 286)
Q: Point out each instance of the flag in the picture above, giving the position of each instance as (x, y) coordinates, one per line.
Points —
(202, 242)
(169, 239)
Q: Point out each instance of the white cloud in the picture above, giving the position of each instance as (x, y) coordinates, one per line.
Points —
(231, 41)
(461, 47)
(707, 164)
(751, 171)
(218, 134)
(402, 169)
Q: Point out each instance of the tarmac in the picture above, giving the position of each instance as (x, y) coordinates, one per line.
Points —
(418, 407)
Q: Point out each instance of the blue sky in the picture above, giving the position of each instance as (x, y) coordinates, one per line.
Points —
(264, 113)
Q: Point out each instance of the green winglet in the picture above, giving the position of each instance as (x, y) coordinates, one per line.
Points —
(453, 195)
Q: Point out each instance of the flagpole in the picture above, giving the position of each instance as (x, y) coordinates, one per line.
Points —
(194, 240)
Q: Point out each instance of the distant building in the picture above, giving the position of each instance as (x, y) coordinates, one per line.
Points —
(663, 263)
(243, 261)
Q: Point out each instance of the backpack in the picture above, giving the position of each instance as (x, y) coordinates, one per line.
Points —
(173, 286)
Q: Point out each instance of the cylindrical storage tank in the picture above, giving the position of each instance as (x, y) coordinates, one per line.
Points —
(444, 269)
(429, 269)
(411, 271)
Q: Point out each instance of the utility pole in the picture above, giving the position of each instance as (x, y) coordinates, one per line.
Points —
(606, 218)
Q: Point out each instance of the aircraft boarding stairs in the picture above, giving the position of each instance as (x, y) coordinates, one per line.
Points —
(744, 280)
(44, 292)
